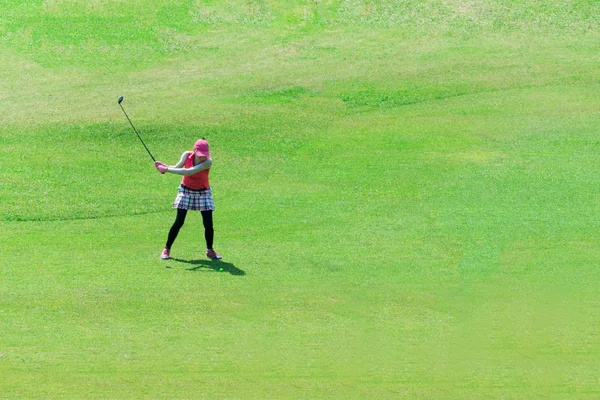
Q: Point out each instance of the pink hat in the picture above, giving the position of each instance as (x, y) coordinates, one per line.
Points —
(201, 148)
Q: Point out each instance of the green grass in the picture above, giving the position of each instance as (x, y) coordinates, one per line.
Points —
(407, 199)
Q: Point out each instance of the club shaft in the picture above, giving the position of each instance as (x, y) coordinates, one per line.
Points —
(136, 132)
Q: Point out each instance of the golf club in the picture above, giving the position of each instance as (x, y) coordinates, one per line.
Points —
(136, 132)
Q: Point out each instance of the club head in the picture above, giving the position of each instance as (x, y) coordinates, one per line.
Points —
(120, 99)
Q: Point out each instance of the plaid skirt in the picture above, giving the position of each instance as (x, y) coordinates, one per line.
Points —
(189, 199)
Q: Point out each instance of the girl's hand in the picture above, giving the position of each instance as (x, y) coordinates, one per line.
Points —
(162, 168)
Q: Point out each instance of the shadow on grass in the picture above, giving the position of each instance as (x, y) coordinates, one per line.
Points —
(211, 265)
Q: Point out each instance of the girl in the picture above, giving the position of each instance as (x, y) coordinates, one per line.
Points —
(194, 194)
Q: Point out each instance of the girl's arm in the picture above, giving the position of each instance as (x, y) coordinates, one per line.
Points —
(190, 171)
(181, 162)
(176, 169)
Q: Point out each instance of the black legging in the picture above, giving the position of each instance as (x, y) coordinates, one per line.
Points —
(207, 220)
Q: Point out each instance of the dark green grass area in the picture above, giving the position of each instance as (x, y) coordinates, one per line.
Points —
(455, 258)
(407, 200)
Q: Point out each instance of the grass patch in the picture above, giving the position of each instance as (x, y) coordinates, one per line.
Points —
(406, 199)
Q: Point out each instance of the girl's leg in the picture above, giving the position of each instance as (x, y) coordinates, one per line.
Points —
(179, 220)
(209, 232)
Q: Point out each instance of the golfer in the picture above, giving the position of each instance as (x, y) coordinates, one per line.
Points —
(194, 194)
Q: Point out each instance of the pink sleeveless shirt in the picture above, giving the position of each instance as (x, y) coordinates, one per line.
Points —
(197, 181)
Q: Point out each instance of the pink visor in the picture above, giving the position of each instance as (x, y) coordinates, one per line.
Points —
(201, 148)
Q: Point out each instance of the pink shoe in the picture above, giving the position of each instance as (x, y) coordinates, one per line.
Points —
(213, 254)
(165, 255)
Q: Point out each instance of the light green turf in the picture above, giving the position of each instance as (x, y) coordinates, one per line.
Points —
(407, 199)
